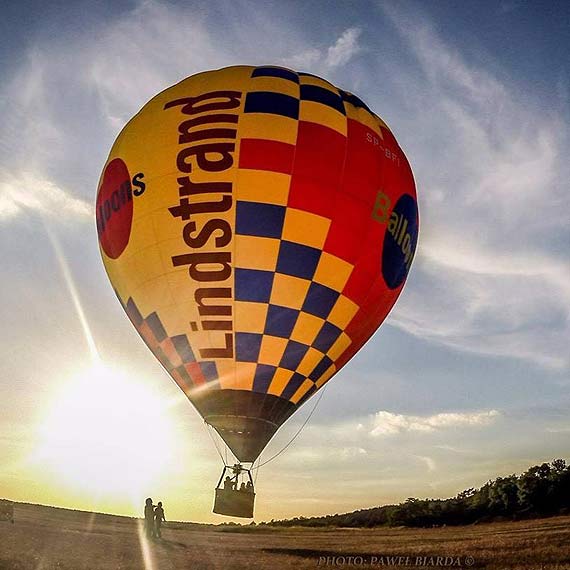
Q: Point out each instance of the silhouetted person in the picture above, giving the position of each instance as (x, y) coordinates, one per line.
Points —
(249, 487)
(158, 518)
(242, 488)
(228, 484)
(149, 519)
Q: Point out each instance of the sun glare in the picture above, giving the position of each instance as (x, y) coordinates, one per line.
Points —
(106, 434)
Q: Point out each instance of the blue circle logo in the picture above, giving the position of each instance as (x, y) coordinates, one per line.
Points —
(400, 241)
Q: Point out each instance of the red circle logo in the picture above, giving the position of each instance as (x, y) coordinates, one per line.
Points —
(115, 209)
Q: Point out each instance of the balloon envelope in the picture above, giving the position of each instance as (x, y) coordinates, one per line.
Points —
(257, 225)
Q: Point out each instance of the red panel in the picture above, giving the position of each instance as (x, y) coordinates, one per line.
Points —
(195, 372)
(148, 336)
(363, 168)
(348, 229)
(170, 352)
(318, 167)
(368, 265)
(261, 154)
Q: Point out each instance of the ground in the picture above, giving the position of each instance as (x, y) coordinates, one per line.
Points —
(44, 538)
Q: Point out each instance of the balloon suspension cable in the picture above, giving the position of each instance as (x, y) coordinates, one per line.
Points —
(298, 431)
(208, 428)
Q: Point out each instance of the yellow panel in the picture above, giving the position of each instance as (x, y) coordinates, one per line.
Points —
(305, 228)
(289, 291)
(253, 252)
(226, 373)
(310, 360)
(301, 391)
(326, 376)
(245, 372)
(342, 312)
(148, 263)
(264, 187)
(250, 317)
(341, 344)
(153, 294)
(323, 115)
(275, 85)
(269, 127)
(272, 349)
(280, 380)
(333, 271)
(306, 328)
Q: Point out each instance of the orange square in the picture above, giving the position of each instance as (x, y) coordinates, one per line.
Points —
(289, 291)
(307, 328)
(310, 360)
(305, 228)
(250, 317)
(342, 312)
(256, 252)
(280, 380)
(272, 349)
(333, 271)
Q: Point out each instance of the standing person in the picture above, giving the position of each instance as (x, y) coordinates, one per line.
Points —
(158, 519)
(149, 519)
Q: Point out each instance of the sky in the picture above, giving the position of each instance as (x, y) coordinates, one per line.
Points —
(468, 378)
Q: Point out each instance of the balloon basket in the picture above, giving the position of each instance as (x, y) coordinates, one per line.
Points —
(235, 494)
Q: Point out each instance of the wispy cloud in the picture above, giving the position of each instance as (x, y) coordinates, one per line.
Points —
(338, 54)
(388, 423)
(492, 273)
(42, 196)
(344, 49)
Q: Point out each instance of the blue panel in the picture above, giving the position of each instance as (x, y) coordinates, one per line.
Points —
(183, 348)
(133, 312)
(253, 285)
(320, 368)
(156, 327)
(320, 300)
(262, 220)
(293, 384)
(294, 353)
(185, 376)
(263, 376)
(273, 103)
(276, 72)
(298, 260)
(327, 336)
(354, 100)
(209, 370)
(247, 346)
(322, 95)
(280, 321)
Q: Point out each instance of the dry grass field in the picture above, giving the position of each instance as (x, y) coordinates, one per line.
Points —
(44, 538)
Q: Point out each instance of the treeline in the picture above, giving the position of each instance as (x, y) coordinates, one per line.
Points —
(543, 490)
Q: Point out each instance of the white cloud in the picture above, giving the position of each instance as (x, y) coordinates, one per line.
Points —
(344, 49)
(388, 423)
(43, 196)
(340, 53)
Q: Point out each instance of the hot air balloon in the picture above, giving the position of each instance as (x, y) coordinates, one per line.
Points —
(257, 225)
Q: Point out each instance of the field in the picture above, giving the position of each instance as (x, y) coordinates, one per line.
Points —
(45, 538)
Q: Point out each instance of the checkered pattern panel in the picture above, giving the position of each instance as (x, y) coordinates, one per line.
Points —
(288, 285)
(174, 353)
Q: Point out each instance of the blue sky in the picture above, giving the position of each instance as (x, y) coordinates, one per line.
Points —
(467, 379)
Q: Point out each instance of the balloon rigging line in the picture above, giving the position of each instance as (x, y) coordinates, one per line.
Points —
(298, 431)
(215, 443)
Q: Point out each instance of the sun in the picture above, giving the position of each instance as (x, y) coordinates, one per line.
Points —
(105, 434)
